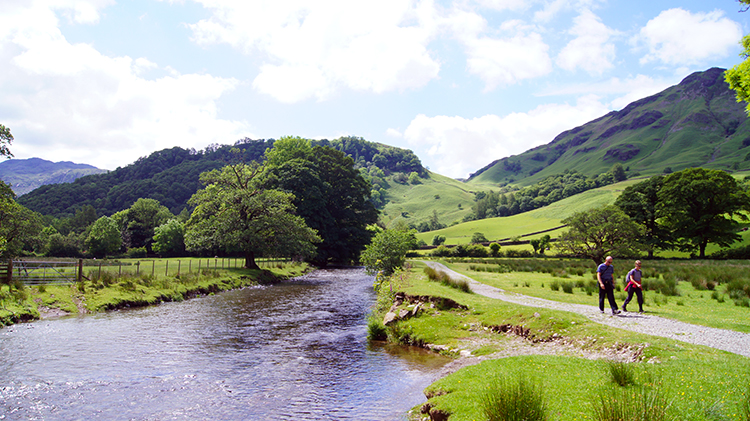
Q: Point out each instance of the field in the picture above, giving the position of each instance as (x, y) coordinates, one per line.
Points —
(567, 354)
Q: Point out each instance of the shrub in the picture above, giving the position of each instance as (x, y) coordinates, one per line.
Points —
(518, 400)
(567, 287)
(442, 251)
(555, 285)
(137, 252)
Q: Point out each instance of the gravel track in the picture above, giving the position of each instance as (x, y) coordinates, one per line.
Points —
(727, 340)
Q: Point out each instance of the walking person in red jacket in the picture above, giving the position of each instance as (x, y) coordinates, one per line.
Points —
(634, 286)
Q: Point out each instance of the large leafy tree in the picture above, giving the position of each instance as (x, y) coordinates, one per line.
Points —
(700, 206)
(329, 193)
(639, 202)
(600, 232)
(235, 213)
(103, 237)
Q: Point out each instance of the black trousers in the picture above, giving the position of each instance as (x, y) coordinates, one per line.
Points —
(638, 292)
(609, 292)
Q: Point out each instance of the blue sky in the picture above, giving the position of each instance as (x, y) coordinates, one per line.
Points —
(461, 83)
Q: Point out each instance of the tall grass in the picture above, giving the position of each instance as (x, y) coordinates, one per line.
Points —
(445, 279)
(519, 399)
(639, 403)
(621, 373)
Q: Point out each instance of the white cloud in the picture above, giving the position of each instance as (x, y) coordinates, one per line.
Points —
(519, 52)
(591, 49)
(623, 91)
(313, 49)
(459, 146)
(679, 37)
(70, 102)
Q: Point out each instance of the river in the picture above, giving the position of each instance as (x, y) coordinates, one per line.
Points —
(296, 350)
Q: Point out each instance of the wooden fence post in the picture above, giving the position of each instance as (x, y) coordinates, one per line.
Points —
(10, 271)
(80, 270)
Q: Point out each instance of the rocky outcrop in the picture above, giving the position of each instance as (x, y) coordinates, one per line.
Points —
(415, 303)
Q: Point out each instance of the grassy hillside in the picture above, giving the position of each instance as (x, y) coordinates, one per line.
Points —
(547, 218)
(541, 219)
(696, 123)
(415, 203)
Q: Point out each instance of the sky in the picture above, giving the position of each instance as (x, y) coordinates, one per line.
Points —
(461, 83)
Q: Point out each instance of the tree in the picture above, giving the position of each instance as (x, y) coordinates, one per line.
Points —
(140, 221)
(600, 232)
(5, 140)
(540, 244)
(169, 238)
(104, 237)
(18, 227)
(699, 205)
(618, 172)
(639, 202)
(234, 213)
(477, 238)
(329, 193)
(438, 240)
(387, 251)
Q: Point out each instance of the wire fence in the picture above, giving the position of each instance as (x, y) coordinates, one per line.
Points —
(34, 272)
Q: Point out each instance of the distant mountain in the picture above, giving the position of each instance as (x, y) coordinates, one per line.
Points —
(697, 123)
(25, 175)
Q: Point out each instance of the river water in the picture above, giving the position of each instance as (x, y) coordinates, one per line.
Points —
(290, 351)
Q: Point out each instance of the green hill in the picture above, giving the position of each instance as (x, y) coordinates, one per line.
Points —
(543, 219)
(697, 123)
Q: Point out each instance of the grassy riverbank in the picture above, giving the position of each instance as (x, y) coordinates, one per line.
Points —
(565, 354)
(146, 283)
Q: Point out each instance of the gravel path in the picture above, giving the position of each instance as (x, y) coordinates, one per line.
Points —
(727, 340)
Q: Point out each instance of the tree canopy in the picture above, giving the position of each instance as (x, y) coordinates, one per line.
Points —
(235, 213)
(104, 237)
(600, 232)
(329, 193)
(639, 201)
(699, 206)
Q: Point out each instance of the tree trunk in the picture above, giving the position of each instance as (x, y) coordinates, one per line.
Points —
(702, 248)
(250, 260)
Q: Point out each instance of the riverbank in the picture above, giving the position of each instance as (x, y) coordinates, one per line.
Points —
(111, 292)
(567, 352)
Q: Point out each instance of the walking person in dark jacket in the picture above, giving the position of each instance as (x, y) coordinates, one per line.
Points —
(634, 286)
(605, 274)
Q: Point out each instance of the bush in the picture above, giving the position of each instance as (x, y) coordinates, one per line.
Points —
(442, 251)
(137, 252)
(518, 400)
(555, 286)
